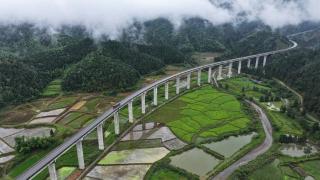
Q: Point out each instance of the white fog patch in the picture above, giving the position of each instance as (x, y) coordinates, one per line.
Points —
(109, 17)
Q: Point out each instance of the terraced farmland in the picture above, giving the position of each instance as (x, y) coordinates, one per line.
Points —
(202, 114)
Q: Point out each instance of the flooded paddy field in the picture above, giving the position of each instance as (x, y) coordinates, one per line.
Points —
(118, 172)
(231, 145)
(5, 159)
(5, 148)
(296, 150)
(196, 161)
(34, 132)
(43, 120)
(55, 112)
(133, 156)
(163, 133)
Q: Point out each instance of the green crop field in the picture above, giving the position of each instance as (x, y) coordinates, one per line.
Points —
(53, 89)
(274, 171)
(168, 174)
(63, 102)
(284, 124)
(312, 168)
(202, 113)
(238, 84)
(70, 117)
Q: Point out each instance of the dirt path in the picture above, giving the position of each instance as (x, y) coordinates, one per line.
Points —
(299, 96)
(255, 152)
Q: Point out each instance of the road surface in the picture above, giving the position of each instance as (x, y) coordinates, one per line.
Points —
(262, 148)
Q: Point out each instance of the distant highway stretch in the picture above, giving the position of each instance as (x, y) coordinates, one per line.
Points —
(49, 160)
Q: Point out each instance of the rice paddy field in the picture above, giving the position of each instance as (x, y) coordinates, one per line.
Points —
(202, 113)
(240, 85)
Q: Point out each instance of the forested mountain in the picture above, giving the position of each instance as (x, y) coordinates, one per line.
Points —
(97, 72)
(40, 55)
(300, 69)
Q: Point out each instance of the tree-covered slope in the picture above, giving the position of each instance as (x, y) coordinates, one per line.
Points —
(97, 73)
(141, 49)
(300, 69)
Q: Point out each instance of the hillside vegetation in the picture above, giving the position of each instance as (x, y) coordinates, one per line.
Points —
(31, 58)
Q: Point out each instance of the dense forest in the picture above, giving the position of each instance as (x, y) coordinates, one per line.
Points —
(30, 57)
(300, 69)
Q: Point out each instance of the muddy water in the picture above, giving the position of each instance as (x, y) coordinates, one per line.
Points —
(231, 145)
(295, 150)
(195, 161)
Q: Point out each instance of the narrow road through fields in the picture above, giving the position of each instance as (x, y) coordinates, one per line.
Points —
(262, 148)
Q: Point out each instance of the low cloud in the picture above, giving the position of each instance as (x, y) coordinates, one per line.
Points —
(109, 17)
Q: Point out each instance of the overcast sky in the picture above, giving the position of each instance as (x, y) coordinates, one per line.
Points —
(110, 16)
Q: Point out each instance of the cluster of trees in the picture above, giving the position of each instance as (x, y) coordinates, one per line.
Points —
(97, 72)
(268, 98)
(27, 145)
(285, 138)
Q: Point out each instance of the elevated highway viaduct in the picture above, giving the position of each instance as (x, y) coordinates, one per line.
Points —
(97, 125)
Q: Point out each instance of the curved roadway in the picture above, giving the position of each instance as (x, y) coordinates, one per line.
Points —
(57, 152)
(262, 148)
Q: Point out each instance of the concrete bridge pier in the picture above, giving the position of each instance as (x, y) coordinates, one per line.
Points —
(155, 96)
(188, 80)
(230, 70)
(52, 171)
(116, 122)
(130, 111)
(257, 63)
(100, 137)
(239, 67)
(264, 61)
(199, 77)
(249, 63)
(220, 72)
(80, 154)
(178, 85)
(209, 74)
(143, 103)
(166, 89)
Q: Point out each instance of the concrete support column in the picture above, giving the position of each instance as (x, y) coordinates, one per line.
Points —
(239, 67)
(209, 74)
(100, 137)
(80, 154)
(116, 122)
(166, 89)
(143, 103)
(230, 70)
(199, 77)
(188, 80)
(178, 85)
(249, 63)
(264, 61)
(257, 63)
(155, 96)
(220, 72)
(130, 111)
(52, 171)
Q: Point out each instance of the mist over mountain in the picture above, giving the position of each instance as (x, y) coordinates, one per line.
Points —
(109, 18)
